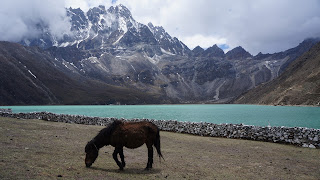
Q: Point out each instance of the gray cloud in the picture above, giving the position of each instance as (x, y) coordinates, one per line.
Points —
(257, 25)
(18, 18)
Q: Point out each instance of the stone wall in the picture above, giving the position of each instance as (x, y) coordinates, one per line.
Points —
(5, 110)
(305, 137)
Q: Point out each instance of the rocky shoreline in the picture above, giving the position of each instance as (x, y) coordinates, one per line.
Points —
(5, 110)
(305, 137)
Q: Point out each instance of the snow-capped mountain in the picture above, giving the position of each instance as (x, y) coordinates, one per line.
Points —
(172, 45)
(102, 28)
(111, 47)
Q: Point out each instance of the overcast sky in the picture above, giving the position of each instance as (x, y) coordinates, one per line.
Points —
(257, 25)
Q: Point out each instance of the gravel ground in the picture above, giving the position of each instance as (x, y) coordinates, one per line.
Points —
(36, 149)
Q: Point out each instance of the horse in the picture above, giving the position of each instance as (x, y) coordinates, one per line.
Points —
(125, 134)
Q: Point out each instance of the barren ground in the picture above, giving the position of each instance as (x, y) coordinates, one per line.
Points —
(36, 149)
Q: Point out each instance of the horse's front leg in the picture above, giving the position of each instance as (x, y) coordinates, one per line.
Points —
(150, 157)
(115, 157)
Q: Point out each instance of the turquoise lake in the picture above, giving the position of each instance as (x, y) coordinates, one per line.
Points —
(235, 114)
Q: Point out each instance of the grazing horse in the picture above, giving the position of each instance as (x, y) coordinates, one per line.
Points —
(124, 134)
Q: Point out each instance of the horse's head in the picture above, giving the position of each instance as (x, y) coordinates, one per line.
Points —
(91, 153)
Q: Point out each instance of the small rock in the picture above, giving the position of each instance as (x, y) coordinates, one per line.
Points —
(305, 145)
(312, 146)
(59, 175)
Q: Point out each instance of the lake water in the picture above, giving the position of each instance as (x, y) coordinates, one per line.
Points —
(236, 114)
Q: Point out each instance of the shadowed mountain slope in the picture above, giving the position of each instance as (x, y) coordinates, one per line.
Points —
(298, 85)
(31, 76)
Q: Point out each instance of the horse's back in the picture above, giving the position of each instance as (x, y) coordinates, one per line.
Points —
(145, 125)
(144, 128)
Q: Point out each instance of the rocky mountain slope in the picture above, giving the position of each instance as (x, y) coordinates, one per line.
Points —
(298, 85)
(29, 75)
(108, 47)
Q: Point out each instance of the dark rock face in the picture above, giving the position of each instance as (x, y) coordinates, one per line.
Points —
(264, 75)
(78, 19)
(210, 70)
(213, 51)
(167, 43)
(197, 51)
(238, 53)
(144, 36)
(261, 56)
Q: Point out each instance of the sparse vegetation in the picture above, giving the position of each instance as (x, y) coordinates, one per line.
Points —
(35, 149)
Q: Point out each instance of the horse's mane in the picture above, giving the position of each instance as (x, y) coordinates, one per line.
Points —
(109, 130)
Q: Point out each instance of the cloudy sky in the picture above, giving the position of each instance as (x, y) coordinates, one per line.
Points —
(257, 25)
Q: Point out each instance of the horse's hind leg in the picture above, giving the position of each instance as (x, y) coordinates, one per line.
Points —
(115, 157)
(150, 157)
(122, 157)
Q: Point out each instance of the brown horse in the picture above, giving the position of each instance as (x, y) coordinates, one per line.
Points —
(129, 134)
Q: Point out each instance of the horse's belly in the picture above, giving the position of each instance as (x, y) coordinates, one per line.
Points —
(134, 141)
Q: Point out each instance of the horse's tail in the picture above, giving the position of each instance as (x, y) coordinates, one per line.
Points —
(157, 144)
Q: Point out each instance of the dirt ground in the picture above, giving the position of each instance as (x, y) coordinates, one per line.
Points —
(36, 149)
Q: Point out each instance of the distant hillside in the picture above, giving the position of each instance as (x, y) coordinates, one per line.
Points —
(298, 85)
(28, 76)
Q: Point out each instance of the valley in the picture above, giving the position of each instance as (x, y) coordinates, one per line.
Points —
(111, 58)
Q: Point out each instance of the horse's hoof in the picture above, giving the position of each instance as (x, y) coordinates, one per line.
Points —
(147, 169)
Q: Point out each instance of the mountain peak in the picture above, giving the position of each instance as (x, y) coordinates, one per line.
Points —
(260, 56)
(150, 25)
(168, 43)
(238, 53)
(121, 10)
(198, 48)
(156, 29)
(122, 6)
(214, 51)
(102, 7)
(97, 10)
(215, 46)
(197, 51)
